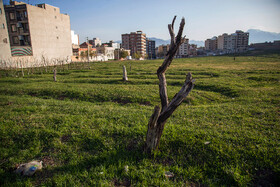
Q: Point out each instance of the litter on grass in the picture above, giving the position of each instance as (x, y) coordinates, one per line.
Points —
(28, 169)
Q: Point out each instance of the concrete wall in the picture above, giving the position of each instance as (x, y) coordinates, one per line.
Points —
(5, 50)
(50, 33)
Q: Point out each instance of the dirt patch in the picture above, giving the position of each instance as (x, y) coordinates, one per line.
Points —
(168, 162)
(124, 182)
(48, 161)
(65, 138)
(122, 101)
(266, 177)
(146, 103)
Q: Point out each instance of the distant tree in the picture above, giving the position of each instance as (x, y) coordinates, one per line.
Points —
(123, 54)
(136, 55)
(146, 56)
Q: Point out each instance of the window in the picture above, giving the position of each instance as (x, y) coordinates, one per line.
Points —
(13, 28)
(3, 26)
(0, 11)
(15, 40)
(12, 16)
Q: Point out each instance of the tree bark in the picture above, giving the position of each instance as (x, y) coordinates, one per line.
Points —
(160, 116)
(124, 74)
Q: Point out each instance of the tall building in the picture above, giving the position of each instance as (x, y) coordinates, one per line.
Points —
(242, 41)
(135, 42)
(151, 49)
(5, 52)
(38, 31)
(233, 43)
(211, 44)
(183, 50)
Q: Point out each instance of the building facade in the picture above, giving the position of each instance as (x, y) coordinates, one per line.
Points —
(211, 44)
(233, 43)
(75, 38)
(162, 50)
(37, 32)
(151, 49)
(95, 42)
(135, 42)
(5, 52)
(183, 50)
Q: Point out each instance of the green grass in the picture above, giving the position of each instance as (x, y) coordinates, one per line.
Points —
(90, 124)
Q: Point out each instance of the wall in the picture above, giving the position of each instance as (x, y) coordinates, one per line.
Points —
(50, 33)
(5, 52)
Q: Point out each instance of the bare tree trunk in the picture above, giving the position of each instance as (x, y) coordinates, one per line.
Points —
(124, 74)
(160, 116)
(54, 74)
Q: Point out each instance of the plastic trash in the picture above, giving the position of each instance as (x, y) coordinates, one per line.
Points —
(168, 174)
(28, 169)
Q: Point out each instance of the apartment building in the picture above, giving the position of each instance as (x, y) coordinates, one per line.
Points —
(5, 52)
(38, 31)
(242, 40)
(192, 50)
(135, 42)
(151, 49)
(162, 50)
(183, 50)
(233, 43)
(211, 44)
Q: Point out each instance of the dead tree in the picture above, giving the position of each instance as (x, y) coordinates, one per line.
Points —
(160, 115)
(124, 74)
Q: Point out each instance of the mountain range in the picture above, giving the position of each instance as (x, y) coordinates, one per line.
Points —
(165, 42)
(255, 36)
(259, 36)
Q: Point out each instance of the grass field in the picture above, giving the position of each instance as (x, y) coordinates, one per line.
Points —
(90, 124)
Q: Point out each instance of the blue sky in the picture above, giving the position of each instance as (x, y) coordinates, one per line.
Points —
(108, 19)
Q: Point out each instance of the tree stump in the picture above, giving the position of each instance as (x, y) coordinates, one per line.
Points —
(124, 74)
(54, 74)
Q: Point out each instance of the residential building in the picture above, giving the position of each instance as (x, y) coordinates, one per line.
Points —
(95, 42)
(162, 50)
(108, 52)
(183, 50)
(38, 31)
(192, 50)
(267, 46)
(113, 44)
(211, 44)
(151, 49)
(135, 42)
(118, 51)
(233, 43)
(5, 52)
(75, 38)
(242, 41)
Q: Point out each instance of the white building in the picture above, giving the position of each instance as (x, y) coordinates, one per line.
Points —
(95, 42)
(183, 50)
(75, 38)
